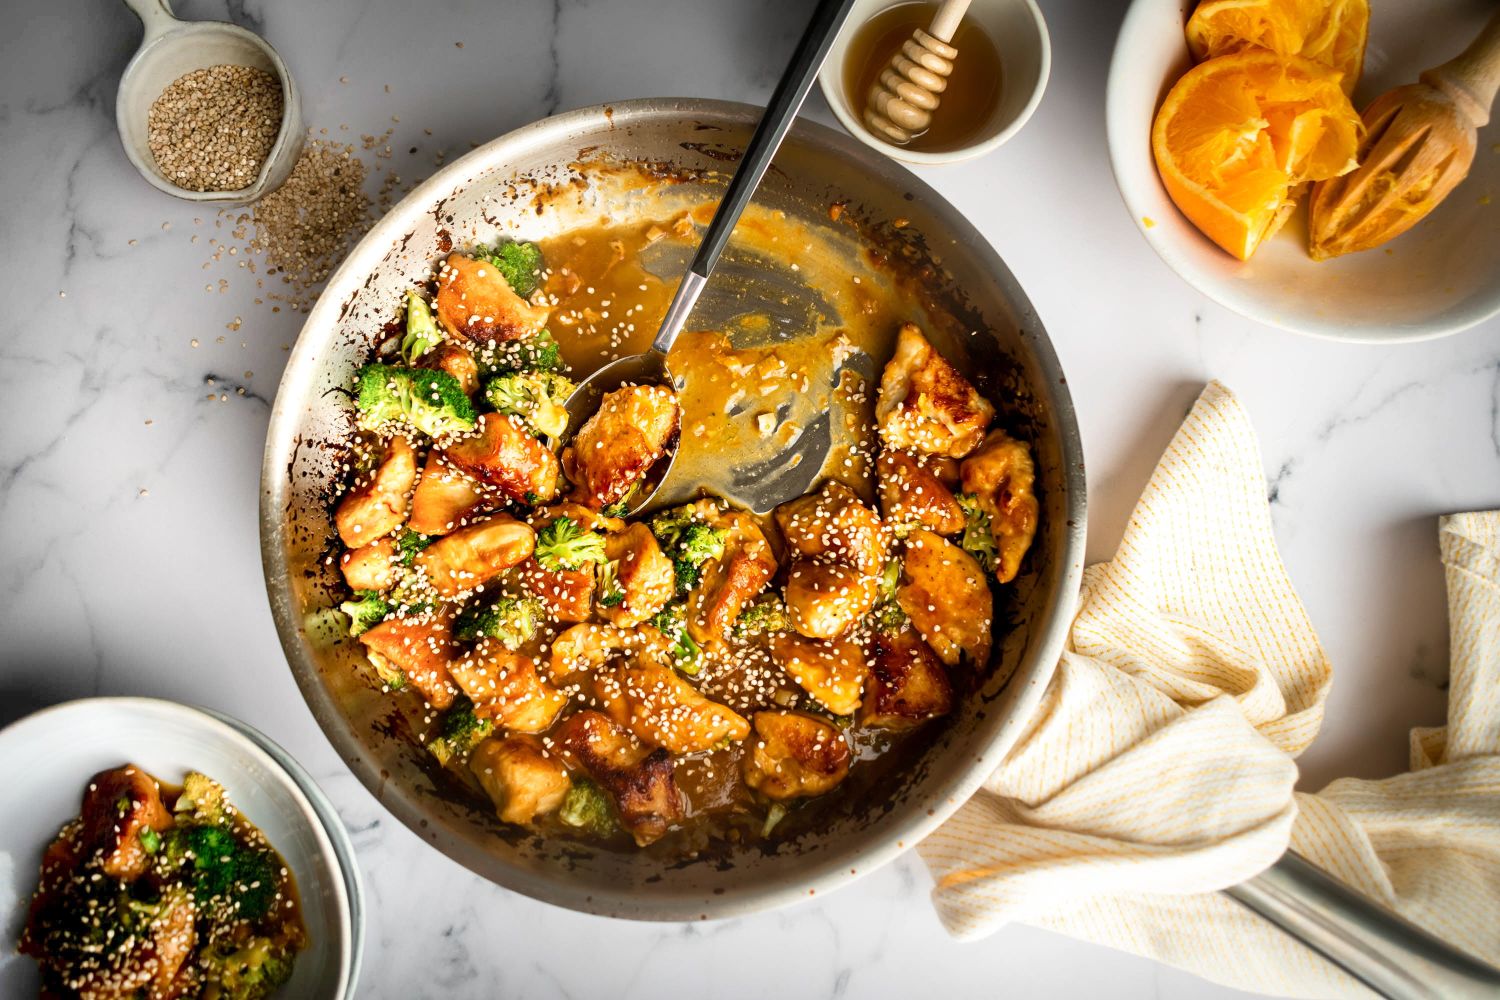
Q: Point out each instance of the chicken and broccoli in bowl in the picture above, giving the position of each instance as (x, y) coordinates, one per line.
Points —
(693, 675)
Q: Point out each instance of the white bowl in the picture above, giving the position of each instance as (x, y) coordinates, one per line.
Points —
(1020, 35)
(48, 757)
(1438, 278)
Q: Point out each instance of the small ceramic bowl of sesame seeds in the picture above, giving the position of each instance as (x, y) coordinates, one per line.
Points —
(207, 111)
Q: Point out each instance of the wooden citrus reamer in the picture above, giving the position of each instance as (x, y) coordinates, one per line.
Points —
(1419, 143)
(902, 99)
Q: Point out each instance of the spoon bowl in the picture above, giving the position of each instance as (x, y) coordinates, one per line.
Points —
(171, 48)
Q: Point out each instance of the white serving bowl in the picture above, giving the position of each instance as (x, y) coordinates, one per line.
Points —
(48, 757)
(1020, 35)
(1438, 278)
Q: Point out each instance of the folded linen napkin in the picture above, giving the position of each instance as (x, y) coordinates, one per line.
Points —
(1159, 767)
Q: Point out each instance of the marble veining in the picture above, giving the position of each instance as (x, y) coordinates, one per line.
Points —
(130, 458)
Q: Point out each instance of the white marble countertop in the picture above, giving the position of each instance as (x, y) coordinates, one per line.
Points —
(128, 491)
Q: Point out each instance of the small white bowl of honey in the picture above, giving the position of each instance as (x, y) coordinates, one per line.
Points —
(1004, 58)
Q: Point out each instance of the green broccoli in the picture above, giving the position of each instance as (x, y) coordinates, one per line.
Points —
(536, 353)
(539, 398)
(520, 264)
(422, 333)
(564, 545)
(226, 873)
(767, 614)
(431, 401)
(511, 621)
(202, 802)
(587, 808)
(252, 971)
(365, 611)
(671, 622)
(978, 540)
(409, 543)
(460, 733)
(774, 815)
(688, 542)
(392, 676)
(887, 615)
(611, 593)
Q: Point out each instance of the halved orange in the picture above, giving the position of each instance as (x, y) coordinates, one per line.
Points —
(1331, 32)
(1239, 134)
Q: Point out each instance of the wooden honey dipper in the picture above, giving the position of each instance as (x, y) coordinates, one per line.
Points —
(904, 96)
(1419, 143)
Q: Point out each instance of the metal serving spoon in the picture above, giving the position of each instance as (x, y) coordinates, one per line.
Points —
(809, 450)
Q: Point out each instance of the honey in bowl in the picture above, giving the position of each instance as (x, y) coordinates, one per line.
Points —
(973, 92)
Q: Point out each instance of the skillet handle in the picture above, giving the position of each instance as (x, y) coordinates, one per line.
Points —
(1386, 952)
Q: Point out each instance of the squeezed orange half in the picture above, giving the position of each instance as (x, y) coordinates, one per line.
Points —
(1331, 32)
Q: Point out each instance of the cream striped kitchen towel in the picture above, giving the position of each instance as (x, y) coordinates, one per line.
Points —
(1159, 767)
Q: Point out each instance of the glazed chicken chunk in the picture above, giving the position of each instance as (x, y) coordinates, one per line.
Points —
(506, 687)
(914, 493)
(944, 593)
(640, 579)
(456, 361)
(475, 302)
(833, 672)
(618, 445)
(925, 405)
(640, 781)
(728, 584)
(1001, 476)
(505, 455)
(520, 777)
(376, 505)
(661, 709)
(420, 649)
(444, 498)
(118, 805)
(794, 755)
(591, 646)
(908, 684)
(458, 563)
(839, 548)
(370, 567)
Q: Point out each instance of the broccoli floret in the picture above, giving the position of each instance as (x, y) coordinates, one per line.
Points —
(611, 593)
(671, 622)
(392, 676)
(226, 874)
(251, 972)
(887, 615)
(767, 614)
(563, 544)
(511, 621)
(202, 802)
(461, 732)
(422, 333)
(367, 610)
(774, 815)
(688, 542)
(536, 353)
(587, 808)
(520, 264)
(409, 543)
(433, 402)
(539, 398)
(890, 579)
(978, 540)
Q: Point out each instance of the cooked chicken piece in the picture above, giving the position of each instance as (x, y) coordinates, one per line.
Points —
(370, 567)
(457, 563)
(643, 578)
(834, 526)
(475, 301)
(908, 685)
(925, 404)
(117, 805)
(567, 594)
(641, 781)
(832, 672)
(505, 455)
(661, 709)
(620, 443)
(445, 498)
(795, 755)
(728, 584)
(505, 686)
(456, 361)
(1001, 475)
(912, 493)
(823, 601)
(944, 593)
(421, 648)
(520, 777)
(591, 646)
(376, 505)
